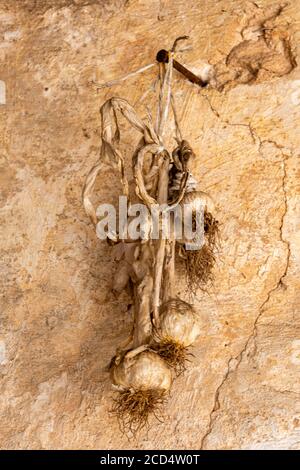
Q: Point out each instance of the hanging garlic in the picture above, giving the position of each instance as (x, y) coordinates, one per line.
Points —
(179, 322)
(125, 254)
(161, 334)
(141, 369)
(143, 380)
(199, 252)
(200, 203)
(179, 329)
(197, 200)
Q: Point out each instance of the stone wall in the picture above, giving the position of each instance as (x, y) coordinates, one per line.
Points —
(60, 323)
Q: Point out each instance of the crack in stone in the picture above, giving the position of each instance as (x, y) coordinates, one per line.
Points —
(248, 126)
(234, 362)
(284, 190)
(283, 392)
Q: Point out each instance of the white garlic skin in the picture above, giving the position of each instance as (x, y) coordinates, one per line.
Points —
(180, 324)
(195, 201)
(145, 371)
(198, 199)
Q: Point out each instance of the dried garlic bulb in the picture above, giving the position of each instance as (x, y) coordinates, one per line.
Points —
(143, 379)
(198, 199)
(143, 371)
(200, 257)
(179, 328)
(179, 322)
(195, 202)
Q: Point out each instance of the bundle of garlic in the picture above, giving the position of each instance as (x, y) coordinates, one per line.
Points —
(163, 327)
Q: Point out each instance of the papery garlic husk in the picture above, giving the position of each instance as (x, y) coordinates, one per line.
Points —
(124, 253)
(179, 322)
(198, 199)
(199, 202)
(200, 257)
(144, 371)
(143, 380)
(178, 330)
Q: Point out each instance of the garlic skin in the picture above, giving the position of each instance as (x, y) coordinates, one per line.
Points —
(179, 322)
(197, 200)
(143, 371)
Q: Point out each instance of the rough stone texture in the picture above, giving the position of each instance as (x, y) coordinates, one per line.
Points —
(60, 324)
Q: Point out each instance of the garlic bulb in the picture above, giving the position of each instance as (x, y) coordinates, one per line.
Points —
(201, 203)
(179, 323)
(197, 200)
(142, 371)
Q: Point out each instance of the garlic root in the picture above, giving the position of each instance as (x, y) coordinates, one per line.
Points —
(134, 408)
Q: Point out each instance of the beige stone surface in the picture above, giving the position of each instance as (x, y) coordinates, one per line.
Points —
(60, 324)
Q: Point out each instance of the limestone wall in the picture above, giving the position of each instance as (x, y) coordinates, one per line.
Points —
(60, 324)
